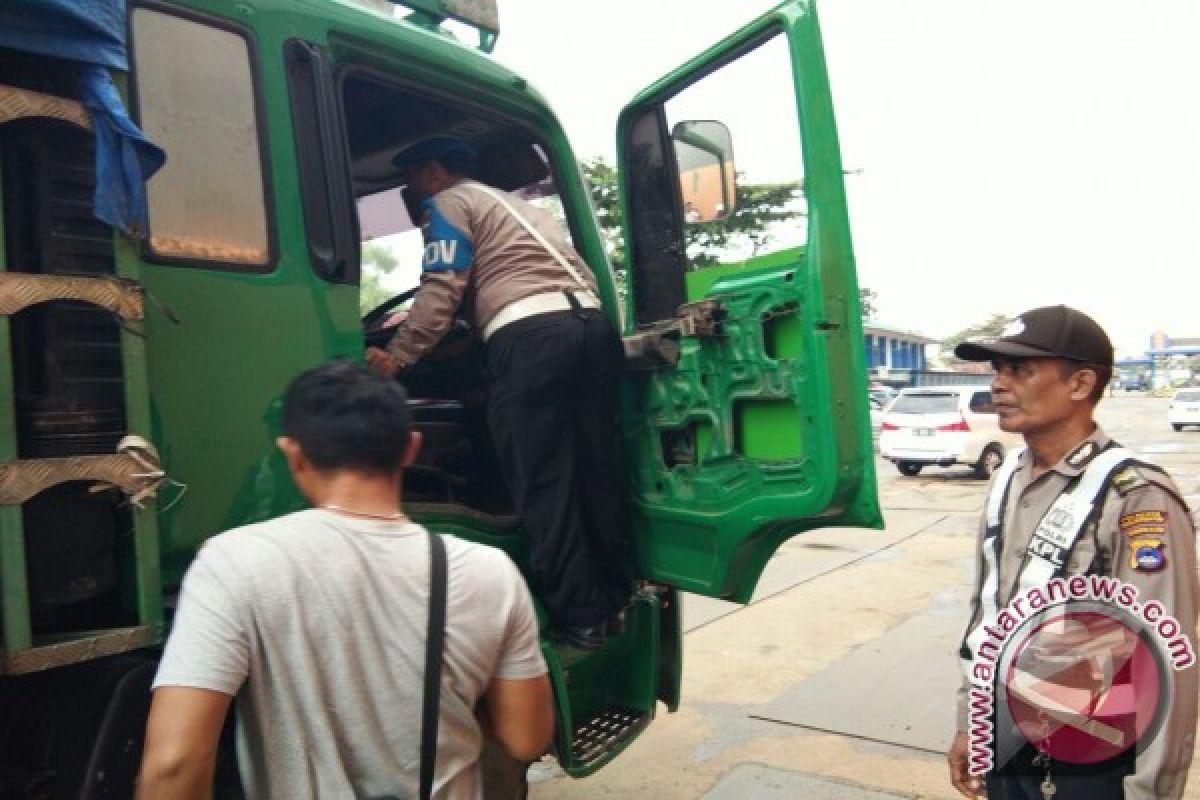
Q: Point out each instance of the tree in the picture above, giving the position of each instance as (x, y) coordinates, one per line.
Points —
(602, 180)
(759, 206)
(377, 261)
(991, 327)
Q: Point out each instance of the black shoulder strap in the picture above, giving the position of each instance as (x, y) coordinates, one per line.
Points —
(435, 633)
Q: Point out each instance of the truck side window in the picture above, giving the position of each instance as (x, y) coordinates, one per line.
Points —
(715, 180)
(196, 99)
(754, 98)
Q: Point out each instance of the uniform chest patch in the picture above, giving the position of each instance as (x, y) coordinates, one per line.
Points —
(1147, 554)
(1144, 523)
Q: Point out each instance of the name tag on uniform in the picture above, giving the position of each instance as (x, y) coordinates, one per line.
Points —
(1059, 528)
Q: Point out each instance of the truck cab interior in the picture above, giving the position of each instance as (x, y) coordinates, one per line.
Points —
(457, 468)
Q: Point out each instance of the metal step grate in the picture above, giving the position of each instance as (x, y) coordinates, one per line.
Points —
(596, 736)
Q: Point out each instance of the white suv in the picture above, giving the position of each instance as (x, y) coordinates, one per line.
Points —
(1184, 409)
(944, 426)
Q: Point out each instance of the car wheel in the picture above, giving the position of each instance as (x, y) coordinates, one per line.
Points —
(908, 468)
(1176, 426)
(989, 461)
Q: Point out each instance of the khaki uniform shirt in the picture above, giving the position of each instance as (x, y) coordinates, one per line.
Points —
(1106, 547)
(477, 255)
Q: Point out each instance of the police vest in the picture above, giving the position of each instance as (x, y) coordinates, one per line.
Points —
(1051, 543)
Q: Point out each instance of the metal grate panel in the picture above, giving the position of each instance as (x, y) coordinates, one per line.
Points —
(596, 736)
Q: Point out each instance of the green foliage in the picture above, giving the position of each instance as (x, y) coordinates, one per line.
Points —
(602, 180)
(992, 326)
(376, 262)
(758, 207)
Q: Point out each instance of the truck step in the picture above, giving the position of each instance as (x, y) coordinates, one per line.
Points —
(599, 736)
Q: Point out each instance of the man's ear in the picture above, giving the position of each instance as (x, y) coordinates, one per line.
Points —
(1083, 383)
(292, 453)
(410, 452)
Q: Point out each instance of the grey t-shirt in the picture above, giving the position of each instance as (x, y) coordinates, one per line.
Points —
(316, 621)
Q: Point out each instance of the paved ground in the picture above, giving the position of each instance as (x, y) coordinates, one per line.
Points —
(837, 681)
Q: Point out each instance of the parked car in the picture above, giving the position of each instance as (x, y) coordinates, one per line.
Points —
(1184, 409)
(883, 395)
(943, 426)
(876, 416)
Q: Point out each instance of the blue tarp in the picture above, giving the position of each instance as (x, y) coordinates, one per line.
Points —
(92, 32)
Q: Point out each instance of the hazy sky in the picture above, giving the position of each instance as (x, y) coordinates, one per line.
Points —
(1012, 154)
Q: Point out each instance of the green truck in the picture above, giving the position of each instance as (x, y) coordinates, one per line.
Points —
(144, 359)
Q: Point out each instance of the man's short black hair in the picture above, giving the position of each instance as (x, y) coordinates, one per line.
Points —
(344, 416)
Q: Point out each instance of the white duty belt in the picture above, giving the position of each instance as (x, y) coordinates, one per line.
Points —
(536, 304)
(1051, 543)
(544, 302)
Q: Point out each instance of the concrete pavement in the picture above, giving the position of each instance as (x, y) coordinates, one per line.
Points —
(837, 681)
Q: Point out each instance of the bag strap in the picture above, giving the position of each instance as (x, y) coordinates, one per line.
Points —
(434, 636)
(532, 231)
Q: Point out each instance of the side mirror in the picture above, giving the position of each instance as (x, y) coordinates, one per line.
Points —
(707, 179)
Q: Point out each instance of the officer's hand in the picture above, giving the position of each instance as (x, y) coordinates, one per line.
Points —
(969, 785)
(382, 363)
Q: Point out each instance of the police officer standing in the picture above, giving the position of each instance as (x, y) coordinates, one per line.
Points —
(1073, 502)
(553, 365)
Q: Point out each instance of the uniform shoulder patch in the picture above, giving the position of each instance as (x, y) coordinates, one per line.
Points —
(446, 247)
(1128, 479)
(1143, 523)
(1148, 554)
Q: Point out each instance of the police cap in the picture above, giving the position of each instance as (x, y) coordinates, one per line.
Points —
(1050, 332)
(437, 148)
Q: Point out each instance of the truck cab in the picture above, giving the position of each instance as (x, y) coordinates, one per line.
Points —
(147, 355)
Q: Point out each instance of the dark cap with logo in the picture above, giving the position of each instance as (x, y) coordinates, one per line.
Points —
(1050, 332)
(440, 148)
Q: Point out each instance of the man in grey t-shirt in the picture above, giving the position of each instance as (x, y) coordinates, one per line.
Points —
(316, 622)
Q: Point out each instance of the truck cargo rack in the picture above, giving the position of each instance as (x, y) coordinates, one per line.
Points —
(134, 469)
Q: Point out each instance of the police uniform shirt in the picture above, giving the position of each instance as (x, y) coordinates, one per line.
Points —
(476, 249)
(1143, 536)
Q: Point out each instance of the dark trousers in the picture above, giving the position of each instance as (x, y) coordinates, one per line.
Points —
(1020, 779)
(553, 382)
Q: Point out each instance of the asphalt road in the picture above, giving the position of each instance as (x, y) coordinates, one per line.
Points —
(837, 680)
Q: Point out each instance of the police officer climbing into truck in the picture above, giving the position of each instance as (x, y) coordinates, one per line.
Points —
(1072, 502)
(553, 365)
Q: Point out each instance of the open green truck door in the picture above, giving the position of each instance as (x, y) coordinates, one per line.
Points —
(747, 421)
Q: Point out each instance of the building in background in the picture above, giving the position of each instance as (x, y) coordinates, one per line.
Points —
(1175, 361)
(899, 358)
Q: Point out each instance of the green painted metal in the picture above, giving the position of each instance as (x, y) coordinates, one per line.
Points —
(14, 585)
(778, 420)
(216, 376)
(623, 674)
(147, 573)
(783, 389)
